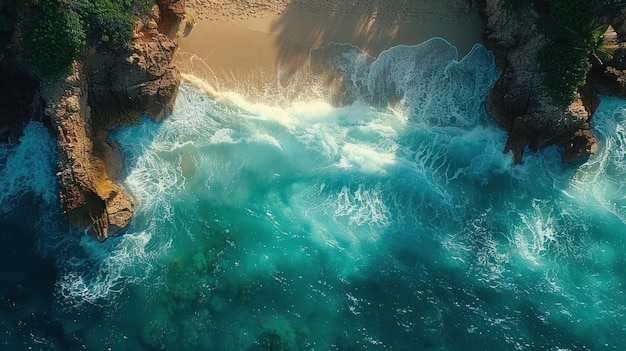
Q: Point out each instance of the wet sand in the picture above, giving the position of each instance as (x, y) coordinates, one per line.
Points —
(268, 45)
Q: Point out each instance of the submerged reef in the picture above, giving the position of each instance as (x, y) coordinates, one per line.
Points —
(198, 292)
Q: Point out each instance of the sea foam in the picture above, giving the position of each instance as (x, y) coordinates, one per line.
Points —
(28, 167)
(394, 221)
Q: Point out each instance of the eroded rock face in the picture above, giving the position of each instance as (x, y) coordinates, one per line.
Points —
(610, 77)
(90, 199)
(172, 16)
(106, 91)
(579, 142)
(518, 101)
(123, 85)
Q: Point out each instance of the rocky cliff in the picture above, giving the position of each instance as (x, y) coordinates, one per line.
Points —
(109, 89)
(518, 101)
(610, 76)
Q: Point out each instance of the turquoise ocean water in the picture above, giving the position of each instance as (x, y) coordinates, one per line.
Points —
(311, 227)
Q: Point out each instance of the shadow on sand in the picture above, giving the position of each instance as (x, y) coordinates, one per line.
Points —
(376, 25)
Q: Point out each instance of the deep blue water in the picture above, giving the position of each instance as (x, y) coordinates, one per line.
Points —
(303, 226)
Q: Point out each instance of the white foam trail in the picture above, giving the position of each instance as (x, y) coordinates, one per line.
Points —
(28, 168)
(338, 164)
(119, 262)
(241, 104)
(362, 207)
(599, 182)
(535, 237)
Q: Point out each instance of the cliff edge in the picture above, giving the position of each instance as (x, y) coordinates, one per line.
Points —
(110, 89)
(519, 101)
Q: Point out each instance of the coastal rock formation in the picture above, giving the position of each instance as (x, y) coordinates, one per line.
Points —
(124, 85)
(518, 101)
(172, 16)
(91, 200)
(610, 77)
(107, 90)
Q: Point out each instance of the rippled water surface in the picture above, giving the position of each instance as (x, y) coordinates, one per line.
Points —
(313, 227)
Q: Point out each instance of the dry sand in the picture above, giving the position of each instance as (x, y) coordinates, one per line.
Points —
(267, 44)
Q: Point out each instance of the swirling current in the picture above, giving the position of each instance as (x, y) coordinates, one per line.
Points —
(306, 226)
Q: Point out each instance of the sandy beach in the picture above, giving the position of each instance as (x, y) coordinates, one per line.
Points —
(267, 45)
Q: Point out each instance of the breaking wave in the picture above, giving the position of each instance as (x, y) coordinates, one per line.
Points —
(392, 222)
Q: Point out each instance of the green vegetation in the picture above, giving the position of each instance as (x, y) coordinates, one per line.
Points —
(576, 36)
(53, 32)
(110, 20)
(107, 21)
(566, 70)
(51, 38)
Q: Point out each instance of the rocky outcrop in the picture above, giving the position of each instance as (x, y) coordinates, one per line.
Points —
(91, 200)
(172, 16)
(108, 89)
(124, 85)
(518, 101)
(610, 77)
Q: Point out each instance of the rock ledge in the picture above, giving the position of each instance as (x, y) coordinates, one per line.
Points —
(108, 90)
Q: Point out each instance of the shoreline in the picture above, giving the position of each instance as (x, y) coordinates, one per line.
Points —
(259, 48)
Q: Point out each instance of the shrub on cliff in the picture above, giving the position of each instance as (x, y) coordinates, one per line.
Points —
(111, 21)
(576, 36)
(566, 70)
(53, 32)
(51, 37)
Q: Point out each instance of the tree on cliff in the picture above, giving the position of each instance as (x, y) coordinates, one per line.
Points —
(54, 32)
(576, 36)
(51, 36)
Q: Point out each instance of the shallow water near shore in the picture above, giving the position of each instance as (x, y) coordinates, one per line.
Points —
(303, 226)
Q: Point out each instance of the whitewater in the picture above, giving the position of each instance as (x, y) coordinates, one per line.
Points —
(393, 222)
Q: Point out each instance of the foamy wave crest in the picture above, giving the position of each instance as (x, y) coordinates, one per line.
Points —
(363, 206)
(28, 167)
(150, 176)
(432, 84)
(536, 236)
(107, 269)
(600, 181)
(352, 173)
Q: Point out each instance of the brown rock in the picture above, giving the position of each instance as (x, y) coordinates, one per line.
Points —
(610, 77)
(617, 19)
(142, 79)
(520, 135)
(519, 102)
(172, 16)
(579, 144)
(89, 198)
(107, 90)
